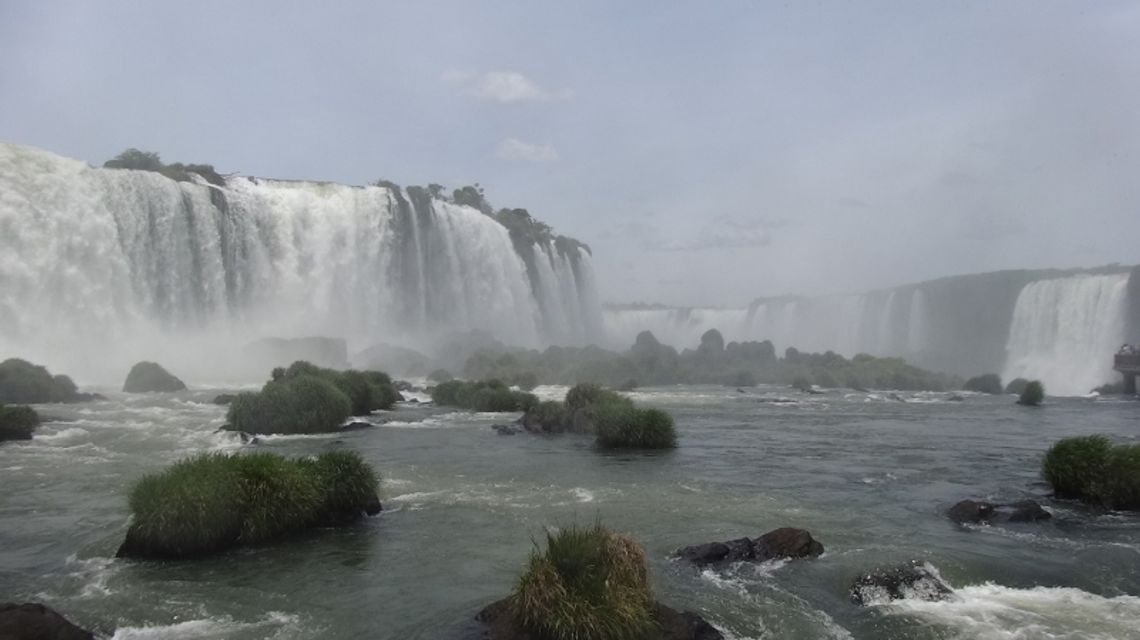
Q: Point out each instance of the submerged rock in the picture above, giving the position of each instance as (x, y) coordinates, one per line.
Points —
(500, 624)
(146, 377)
(356, 425)
(974, 512)
(915, 580)
(504, 429)
(32, 621)
(786, 542)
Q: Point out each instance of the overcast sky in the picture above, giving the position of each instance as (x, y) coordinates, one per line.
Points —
(708, 152)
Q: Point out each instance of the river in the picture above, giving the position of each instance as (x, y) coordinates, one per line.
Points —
(868, 475)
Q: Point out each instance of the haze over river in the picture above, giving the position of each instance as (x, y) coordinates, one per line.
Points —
(868, 475)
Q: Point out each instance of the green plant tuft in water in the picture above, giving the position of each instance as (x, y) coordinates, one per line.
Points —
(215, 501)
(589, 583)
(1093, 470)
(1033, 394)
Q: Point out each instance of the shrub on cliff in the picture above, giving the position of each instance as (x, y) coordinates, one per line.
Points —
(1033, 394)
(987, 383)
(1092, 469)
(214, 501)
(303, 404)
(17, 423)
(440, 375)
(22, 382)
(146, 377)
(588, 583)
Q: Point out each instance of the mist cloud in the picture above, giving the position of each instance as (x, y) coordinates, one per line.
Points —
(515, 149)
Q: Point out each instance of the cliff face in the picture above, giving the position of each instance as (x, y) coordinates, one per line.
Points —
(98, 257)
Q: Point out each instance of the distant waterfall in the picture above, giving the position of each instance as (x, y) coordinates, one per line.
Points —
(96, 261)
(1066, 330)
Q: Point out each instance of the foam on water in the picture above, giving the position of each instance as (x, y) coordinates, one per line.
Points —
(994, 612)
(274, 624)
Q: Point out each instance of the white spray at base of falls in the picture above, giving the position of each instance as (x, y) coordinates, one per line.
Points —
(1065, 331)
(100, 268)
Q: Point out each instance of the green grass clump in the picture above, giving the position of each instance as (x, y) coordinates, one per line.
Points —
(1033, 394)
(590, 583)
(549, 416)
(617, 422)
(303, 404)
(17, 423)
(215, 501)
(628, 427)
(1093, 470)
(483, 395)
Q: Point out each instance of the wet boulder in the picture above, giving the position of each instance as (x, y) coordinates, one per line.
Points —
(916, 580)
(786, 542)
(980, 512)
(224, 398)
(504, 429)
(146, 377)
(32, 621)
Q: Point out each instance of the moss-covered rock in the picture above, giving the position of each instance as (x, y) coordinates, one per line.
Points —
(147, 377)
(17, 422)
(300, 404)
(214, 502)
(22, 382)
(483, 395)
(987, 383)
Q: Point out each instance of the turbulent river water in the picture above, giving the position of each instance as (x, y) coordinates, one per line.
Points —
(868, 475)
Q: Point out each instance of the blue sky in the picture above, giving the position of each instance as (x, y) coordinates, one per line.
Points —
(708, 152)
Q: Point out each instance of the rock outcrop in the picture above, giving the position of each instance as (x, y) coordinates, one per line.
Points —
(786, 542)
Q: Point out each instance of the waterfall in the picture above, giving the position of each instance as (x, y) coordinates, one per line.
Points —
(1065, 331)
(100, 264)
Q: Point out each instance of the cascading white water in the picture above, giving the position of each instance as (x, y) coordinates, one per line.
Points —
(1066, 330)
(99, 265)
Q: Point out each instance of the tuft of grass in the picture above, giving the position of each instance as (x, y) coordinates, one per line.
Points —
(17, 423)
(214, 501)
(627, 427)
(1093, 470)
(589, 583)
(1033, 394)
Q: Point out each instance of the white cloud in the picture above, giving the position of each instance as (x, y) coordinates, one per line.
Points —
(515, 149)
(502, 86)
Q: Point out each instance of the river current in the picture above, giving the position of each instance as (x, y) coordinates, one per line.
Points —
(869, 475)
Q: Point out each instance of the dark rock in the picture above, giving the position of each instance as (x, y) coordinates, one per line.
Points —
(31, 621)
(786, 542)
(17, 422)
(224, 398)
(914, 580)
(701, 554)
(356, 425)
(969, 511)
(504, 429)
(500, 624)
(404, 385)
(1026, 511)
(677, 625)
(147, 377)
(955, 398)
